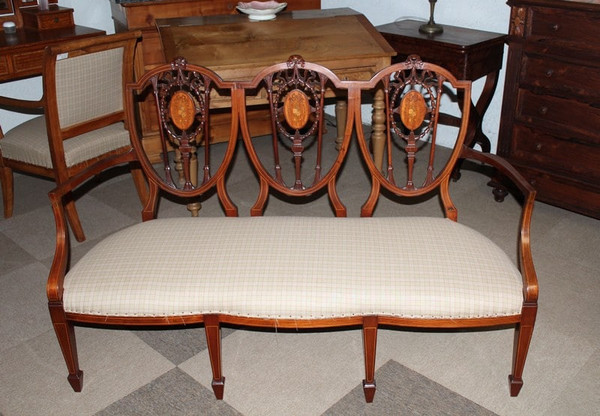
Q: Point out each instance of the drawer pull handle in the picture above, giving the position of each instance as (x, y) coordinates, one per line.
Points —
(543, 110)
(229, 6)
(538, 146)
(549, 73)
(556, 27)
(56, 20)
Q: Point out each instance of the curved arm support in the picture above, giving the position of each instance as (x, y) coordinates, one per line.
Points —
(530, 283)
(54, 286)
(22, 106)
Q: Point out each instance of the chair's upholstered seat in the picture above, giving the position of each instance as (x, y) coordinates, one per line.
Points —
(296, 268)
(28, 142)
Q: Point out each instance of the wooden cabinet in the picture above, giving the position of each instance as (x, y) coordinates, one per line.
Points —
(550, 125)
(55, 17)
(142, 15)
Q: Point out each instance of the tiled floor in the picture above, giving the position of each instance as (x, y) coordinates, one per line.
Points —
(307, 373)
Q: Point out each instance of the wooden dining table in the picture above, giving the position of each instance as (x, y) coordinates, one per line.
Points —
(237, 48)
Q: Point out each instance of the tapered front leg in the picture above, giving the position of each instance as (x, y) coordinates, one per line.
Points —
(369, 347)
(65, 332)
(8, 187)
(523, 335)
(212, 328)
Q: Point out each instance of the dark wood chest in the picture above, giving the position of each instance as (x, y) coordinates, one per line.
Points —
(550, 125)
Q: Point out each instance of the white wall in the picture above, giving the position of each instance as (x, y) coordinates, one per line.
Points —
(490, 15)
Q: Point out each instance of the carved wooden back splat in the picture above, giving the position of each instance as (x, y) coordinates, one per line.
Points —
(414, 93)
(182, 94)
(296, 94)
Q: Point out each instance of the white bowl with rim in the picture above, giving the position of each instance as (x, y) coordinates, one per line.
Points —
(261, 10)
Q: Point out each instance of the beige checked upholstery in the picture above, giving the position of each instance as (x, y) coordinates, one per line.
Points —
(28, 142)
(296, 268)
(89, 86)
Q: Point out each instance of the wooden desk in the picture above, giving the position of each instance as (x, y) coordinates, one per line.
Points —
(236, 48)
(21, 53)
(469, 54)
(142, 15)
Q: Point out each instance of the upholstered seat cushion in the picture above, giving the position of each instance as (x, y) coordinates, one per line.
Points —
(296, 268)
(28, 142)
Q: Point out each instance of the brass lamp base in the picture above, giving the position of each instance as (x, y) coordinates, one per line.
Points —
(431, 28)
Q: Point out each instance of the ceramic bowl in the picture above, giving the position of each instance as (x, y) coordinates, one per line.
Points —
(261, 10)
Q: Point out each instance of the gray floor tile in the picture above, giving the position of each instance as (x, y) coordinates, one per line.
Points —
(174, 394)
(178, 345)
(401, 391)
(13, 256)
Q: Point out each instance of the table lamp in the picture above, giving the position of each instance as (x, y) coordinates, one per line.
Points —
(431, 28)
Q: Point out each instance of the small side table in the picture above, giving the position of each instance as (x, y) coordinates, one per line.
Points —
(469, 54)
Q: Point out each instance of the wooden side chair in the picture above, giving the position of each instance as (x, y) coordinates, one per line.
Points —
(83, 117)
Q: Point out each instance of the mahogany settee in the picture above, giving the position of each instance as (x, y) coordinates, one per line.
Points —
(310, 272)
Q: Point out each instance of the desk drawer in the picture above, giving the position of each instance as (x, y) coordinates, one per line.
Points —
(559, 114)
(574, 27)
(55, 21)
(583, 197)
(535, 148)
(54, 18)
(4, 68)
(560, 77)
(28, 62)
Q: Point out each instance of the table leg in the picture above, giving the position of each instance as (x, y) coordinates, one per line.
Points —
(479, 110)
(378, 129)
(475, 134)
(194, 207)
(341, 116)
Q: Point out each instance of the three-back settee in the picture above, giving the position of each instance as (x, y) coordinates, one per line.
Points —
(252, 269)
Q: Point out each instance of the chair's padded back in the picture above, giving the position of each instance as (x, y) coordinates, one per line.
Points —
(89, 86)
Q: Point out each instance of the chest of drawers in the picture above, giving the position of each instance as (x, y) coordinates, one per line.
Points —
(550, 125)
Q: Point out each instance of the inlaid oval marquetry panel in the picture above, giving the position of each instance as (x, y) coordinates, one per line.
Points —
(413, 110)
(182, 109)
(296, 109)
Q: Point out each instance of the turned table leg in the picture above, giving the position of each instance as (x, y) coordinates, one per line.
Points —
(194, 207)
(378, 129)
(341, 116)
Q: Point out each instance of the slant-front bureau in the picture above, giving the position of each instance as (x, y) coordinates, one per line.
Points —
(550, 126)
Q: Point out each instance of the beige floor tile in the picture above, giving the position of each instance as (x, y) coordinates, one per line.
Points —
(115, 363)
(282, 373)
(23, 305)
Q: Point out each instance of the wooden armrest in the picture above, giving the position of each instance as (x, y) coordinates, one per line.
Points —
(502, 166)
(54, 287)
(530, 283)
(22, 106)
